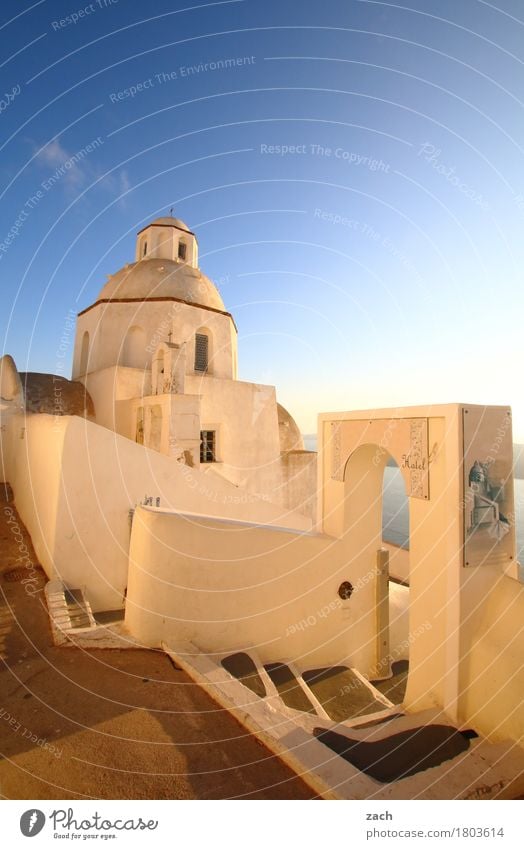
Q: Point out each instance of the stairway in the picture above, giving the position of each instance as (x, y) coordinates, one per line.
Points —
(69, 610)
(346, 739)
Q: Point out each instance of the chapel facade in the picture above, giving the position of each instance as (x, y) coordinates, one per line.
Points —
(157, 352)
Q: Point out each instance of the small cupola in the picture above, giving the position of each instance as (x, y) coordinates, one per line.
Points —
(167, 238)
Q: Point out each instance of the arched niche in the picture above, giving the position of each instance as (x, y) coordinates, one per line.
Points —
(134, 354)
(84, 353)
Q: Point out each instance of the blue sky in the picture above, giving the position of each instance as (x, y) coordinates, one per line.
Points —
(355, 181)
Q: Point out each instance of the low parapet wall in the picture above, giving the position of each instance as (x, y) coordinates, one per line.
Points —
(230, 586)
(75, 482)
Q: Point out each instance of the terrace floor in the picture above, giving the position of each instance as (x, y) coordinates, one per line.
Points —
(116, 724)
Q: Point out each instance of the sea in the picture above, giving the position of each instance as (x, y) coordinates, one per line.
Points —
(395, 512)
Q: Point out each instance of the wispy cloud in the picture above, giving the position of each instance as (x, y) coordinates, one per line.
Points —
(53, 155)
(76, 169)
(124, 186)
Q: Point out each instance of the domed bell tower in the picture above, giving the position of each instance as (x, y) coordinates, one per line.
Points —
(167, 238)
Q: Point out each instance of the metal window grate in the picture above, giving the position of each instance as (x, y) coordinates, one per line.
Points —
(207, 446)
(182, 250)
(201, 352)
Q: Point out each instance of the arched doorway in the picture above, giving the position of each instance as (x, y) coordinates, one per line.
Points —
(427, 443)
(374, 489)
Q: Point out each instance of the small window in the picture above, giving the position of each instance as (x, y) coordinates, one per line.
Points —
(207, 446)
(201, 352)
(182, 250)
(144, 250)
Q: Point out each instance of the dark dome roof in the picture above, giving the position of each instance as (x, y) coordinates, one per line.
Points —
(57, 396)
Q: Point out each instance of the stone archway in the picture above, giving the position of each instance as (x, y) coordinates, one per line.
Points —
(361, 517)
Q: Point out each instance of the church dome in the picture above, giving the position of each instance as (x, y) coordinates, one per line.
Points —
(288, 431)
(55, 395)
(167, 221)
(162, 278)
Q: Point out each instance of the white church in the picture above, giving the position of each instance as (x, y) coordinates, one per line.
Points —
(177, 503)
(157, 353)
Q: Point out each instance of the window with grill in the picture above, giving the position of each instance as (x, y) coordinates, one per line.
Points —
(182, 250)
(207, 446)
(201, 352)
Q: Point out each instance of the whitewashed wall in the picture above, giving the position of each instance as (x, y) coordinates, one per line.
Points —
(74, 483)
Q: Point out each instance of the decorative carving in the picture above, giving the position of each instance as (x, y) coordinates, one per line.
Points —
(337, 470)
(416, 461)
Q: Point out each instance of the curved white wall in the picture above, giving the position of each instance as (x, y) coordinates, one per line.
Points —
(229, 586)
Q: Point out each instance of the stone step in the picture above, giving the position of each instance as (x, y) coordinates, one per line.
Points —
(68, 608)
